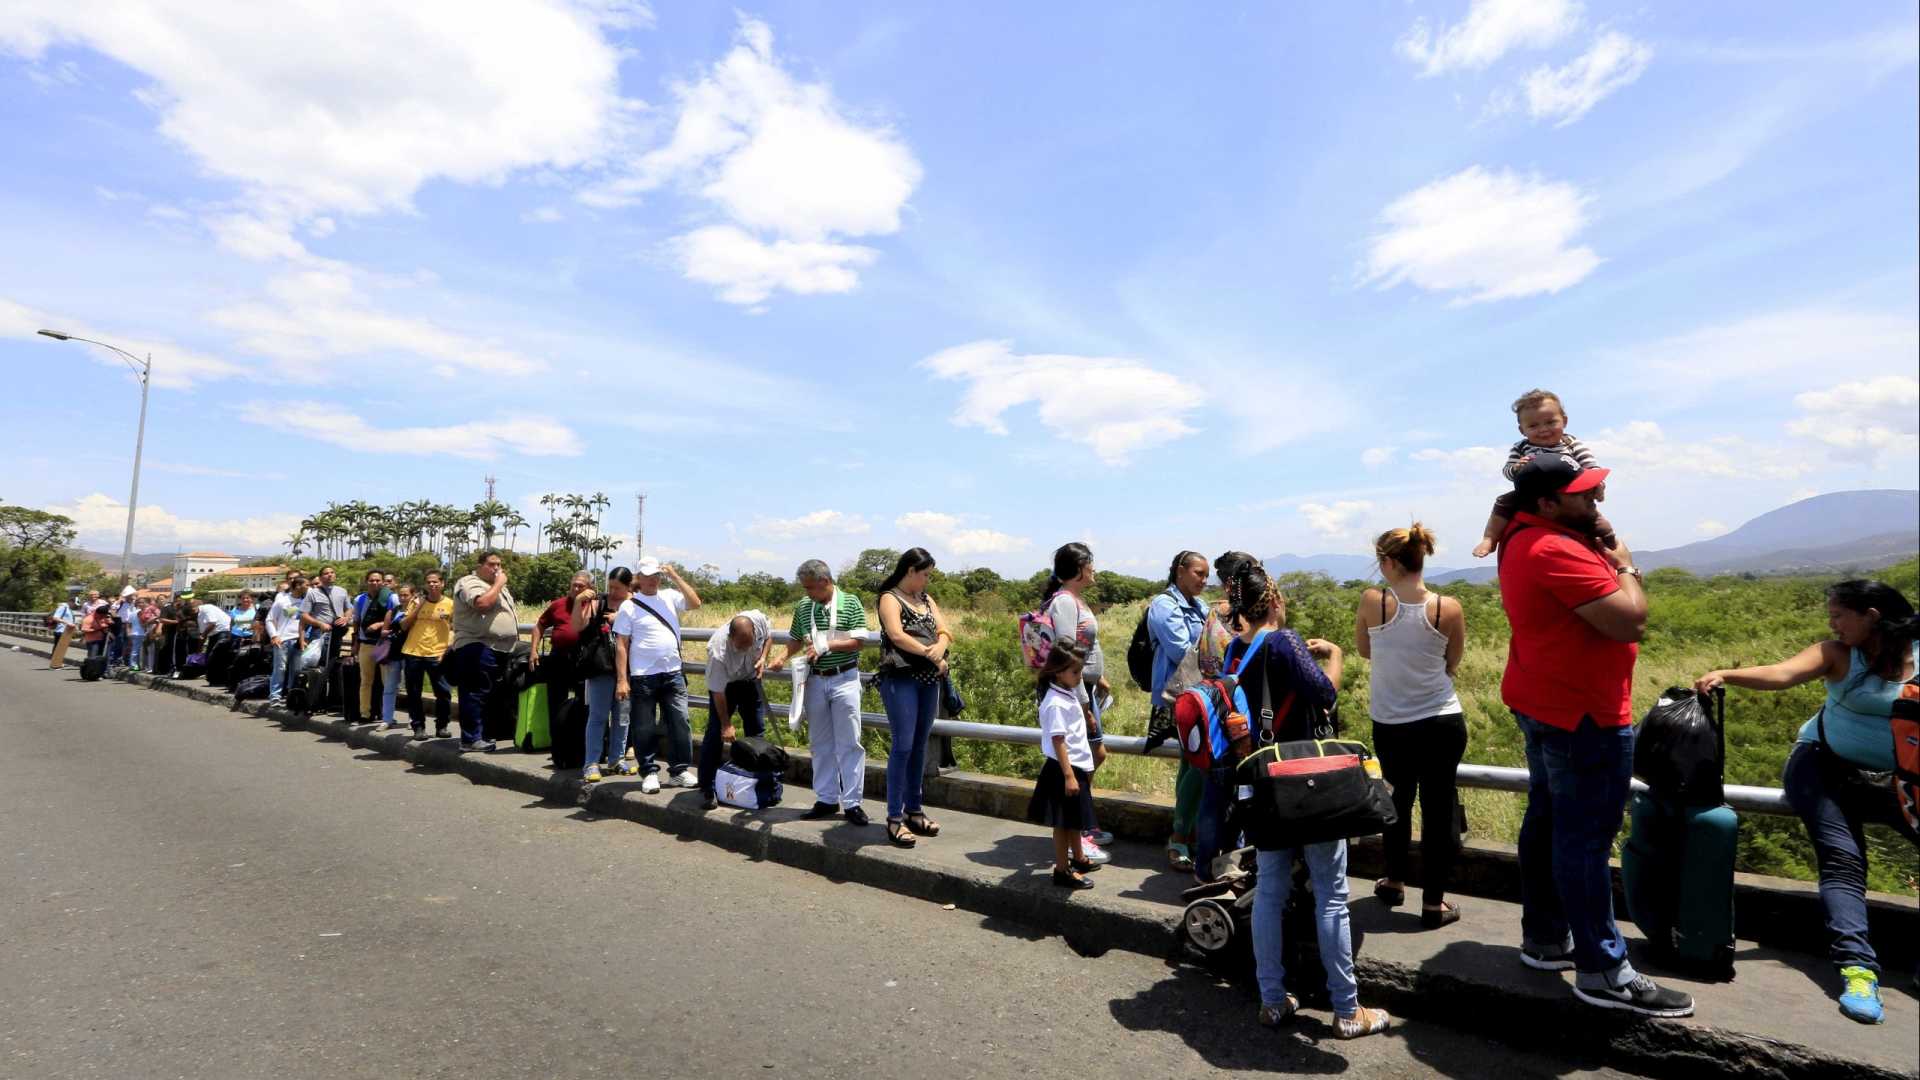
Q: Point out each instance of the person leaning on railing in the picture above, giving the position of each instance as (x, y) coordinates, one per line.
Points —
(1873, 651)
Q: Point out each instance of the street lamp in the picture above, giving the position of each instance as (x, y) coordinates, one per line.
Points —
(144, 369)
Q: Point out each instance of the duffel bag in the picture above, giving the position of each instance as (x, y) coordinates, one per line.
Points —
(252, 688)
(735, 786)
(753, 754)
(1310, 792)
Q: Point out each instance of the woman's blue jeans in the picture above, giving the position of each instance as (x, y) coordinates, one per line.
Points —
(1834, 805)
(606, 726)
(1327, 868)
(910, 706)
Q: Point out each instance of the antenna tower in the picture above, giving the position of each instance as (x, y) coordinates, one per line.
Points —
(639, 526)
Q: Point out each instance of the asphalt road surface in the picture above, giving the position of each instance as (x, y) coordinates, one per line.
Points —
(193, 893)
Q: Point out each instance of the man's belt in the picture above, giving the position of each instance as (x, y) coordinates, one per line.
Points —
(836, 669)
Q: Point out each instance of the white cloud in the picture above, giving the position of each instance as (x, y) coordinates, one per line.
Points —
(1336, 521)
(820, 523)
(1565, 94)
(1711, 528)
(174, 367)
(100, 522)
(1115, 407)
(1491, 236)
(1491, 29)
(780, 159)
(352, 105)
(747, 269)
(316, 315)
(542, 215)
(1373, 457)
(1870, 420)
(1477, 463)
(1762, 351)
(1643, 449)
(477, 439)
(948, 535)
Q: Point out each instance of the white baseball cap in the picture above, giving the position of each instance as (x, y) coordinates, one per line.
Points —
(127, 591)
(648, 567)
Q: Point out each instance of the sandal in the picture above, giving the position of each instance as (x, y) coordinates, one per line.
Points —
(1445, 915)
(922, 825)
(897, 832)
(1179, 856)
(1390, 895)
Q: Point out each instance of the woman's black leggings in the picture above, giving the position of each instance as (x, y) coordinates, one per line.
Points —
(1422, 756)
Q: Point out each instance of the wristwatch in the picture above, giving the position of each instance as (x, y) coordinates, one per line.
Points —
(1634, 570)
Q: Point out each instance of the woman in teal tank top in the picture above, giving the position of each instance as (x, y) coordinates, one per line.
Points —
(1872, 652)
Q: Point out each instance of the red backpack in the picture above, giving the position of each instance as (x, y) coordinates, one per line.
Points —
(1906, 753)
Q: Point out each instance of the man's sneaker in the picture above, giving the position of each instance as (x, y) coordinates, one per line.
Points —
(710, 801)
(1639, 996)
(1273, 1016)
(419, 731)
(1861, 999)
(591, 776)
(627, 768)
(651, 785)
(1094, 853)
(1097, 836)
(1363, 1022)
(480, 746)
(1547, 958)
(683, 779)
(441, 733)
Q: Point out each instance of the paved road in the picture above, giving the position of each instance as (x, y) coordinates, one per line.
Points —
(193, 893)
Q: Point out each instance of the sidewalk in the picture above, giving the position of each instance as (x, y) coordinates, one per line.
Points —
(1777, 1019)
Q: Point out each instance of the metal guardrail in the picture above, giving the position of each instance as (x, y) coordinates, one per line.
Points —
(1755, 800)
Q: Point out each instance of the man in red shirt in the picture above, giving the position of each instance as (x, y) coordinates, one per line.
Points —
(558, 668)
(1577, 611)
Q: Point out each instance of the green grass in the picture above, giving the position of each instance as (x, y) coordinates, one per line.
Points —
(1696, 625)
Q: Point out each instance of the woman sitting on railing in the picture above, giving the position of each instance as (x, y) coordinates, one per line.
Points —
(1873, 652)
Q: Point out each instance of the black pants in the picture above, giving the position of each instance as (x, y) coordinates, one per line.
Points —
(421, 667)
(1423, 756)
(558, 671)
(746, 700)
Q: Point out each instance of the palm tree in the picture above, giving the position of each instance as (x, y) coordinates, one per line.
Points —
(296, 542)
(513, 523)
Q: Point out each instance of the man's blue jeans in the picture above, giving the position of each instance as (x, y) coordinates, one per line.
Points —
(658, 705)
(1327, 868)
(910, 706)
(474, 667)
(745, 699)
(286, 664)
(1577, 787)
(1210, 836)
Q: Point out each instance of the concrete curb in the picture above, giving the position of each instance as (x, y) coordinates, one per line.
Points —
(1090, 924)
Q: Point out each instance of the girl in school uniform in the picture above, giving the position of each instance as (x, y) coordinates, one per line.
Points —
(1063, 796)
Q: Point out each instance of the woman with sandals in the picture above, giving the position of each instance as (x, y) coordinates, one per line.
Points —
(1414, 640)
(913, 659)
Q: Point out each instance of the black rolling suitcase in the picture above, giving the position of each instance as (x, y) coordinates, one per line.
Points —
(92, 668)
(570, 736)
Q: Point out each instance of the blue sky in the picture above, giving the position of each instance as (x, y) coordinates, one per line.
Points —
(817, 277)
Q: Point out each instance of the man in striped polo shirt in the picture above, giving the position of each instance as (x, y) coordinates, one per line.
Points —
(825, 623)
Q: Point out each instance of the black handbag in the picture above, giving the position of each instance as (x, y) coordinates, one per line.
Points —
(951, 703)
(1313, 791)
(596, 659)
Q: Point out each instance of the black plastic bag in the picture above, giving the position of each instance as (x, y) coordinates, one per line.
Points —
(1678, 751)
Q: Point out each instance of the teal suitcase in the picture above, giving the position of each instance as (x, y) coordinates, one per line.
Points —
(1677, 868)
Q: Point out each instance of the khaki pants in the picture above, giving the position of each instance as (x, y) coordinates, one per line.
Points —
(363, 655)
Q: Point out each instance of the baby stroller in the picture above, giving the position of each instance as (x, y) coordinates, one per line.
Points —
(1216, 926)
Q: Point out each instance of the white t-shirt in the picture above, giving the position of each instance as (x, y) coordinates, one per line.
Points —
(283, 618)
(653, 648)
(212, 620)
(1061, 714)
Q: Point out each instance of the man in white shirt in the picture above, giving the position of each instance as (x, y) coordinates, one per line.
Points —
(283, 628)
(735, 662)
(646, 661)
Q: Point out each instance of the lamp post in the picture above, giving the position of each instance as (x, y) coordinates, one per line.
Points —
(144, 369)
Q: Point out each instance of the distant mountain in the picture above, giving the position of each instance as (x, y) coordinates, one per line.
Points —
(1337, 567)
(1837, 533)
(111, 560)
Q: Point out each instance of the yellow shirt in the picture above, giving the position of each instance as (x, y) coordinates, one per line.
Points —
(431, 629)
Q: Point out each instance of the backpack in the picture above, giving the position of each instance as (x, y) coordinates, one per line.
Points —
(251, 688)
(1037, 634)
(1212, 731)
(1906, 753)
(1140, 654)
(756, 755)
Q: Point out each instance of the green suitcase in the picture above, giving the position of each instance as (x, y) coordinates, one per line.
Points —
(1677, 868)
(530, 726)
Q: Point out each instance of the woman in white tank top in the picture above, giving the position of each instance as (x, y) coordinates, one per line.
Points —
(1413, 640)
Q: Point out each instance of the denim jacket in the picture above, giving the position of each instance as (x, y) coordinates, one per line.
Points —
(1174, 622)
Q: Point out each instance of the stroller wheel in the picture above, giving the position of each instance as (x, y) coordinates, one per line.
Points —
(1209, 925)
